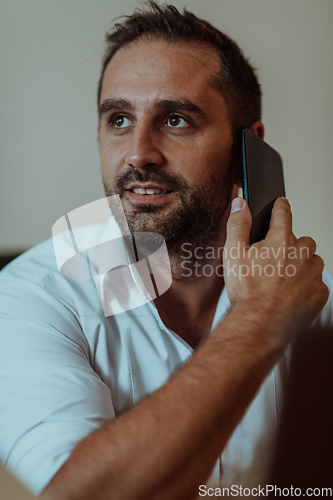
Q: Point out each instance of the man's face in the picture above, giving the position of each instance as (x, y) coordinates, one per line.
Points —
(165, 141)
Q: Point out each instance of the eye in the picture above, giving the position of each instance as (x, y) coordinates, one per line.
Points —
(176, 121)
(120, 121)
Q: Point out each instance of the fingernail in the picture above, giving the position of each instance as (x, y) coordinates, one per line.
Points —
(237, 204)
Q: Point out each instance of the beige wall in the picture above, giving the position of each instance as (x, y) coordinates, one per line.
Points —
(50, 54)
(11, 489)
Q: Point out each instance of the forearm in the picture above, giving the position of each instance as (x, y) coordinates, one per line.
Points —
(167, 445)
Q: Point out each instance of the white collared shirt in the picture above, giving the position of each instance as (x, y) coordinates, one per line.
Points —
(66, 370)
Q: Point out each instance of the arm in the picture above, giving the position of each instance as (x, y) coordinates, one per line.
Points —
(167, 445)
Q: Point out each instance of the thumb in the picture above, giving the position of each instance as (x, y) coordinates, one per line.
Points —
(239, 224)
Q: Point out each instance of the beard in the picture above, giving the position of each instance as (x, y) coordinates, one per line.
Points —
(197, 217)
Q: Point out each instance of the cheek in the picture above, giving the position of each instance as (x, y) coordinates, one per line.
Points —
(112, 156)
(203, 159)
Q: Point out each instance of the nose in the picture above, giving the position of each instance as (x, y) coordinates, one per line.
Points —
(143, 148)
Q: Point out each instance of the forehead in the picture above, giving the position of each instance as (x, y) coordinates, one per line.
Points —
(148, 70)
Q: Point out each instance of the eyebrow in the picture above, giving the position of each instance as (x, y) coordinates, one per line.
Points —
(116, 104)
(180, 105)
(163, 104)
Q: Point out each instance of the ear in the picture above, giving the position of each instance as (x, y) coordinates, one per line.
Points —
(258, 129)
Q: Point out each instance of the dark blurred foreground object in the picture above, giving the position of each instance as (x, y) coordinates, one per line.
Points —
(304, 454)
(5, 259)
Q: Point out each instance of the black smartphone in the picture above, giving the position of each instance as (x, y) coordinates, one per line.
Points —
(262, 180)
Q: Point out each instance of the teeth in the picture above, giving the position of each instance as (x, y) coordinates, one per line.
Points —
(148, 191)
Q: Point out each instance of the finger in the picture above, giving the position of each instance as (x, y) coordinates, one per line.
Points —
(319, 261)
(281, 218)
(307, 242)
(239, 224)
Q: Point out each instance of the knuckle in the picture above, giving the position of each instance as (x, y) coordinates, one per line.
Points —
(285, 234)
(307, 241)
(324, 291)
(311, 241)
(282, 236)
(319, 261)
(232, 224)
(317, 272)
(282, 205)
(239, 222)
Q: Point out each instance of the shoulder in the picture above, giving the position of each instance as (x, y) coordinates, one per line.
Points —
(33, 292)
(50, 393)
(33, 264)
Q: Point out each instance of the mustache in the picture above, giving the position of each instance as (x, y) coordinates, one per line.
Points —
(172, 182)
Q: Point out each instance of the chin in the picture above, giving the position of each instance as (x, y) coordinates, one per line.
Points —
(143, 223)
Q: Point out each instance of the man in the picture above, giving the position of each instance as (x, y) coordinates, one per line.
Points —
(118, 407)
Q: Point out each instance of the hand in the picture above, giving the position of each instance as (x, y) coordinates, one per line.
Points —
(279, 277)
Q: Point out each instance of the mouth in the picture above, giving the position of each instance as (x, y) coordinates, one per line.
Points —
(142, 193)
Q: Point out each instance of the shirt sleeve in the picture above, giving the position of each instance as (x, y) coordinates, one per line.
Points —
(50, 397)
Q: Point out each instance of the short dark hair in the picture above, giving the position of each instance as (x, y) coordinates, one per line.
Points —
(236, 81)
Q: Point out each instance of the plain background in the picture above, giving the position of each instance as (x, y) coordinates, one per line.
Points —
(50, 54)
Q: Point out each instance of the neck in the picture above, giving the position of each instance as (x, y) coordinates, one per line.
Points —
(188, 307)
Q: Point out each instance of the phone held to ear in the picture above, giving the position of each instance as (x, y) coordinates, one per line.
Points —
(262, 181)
